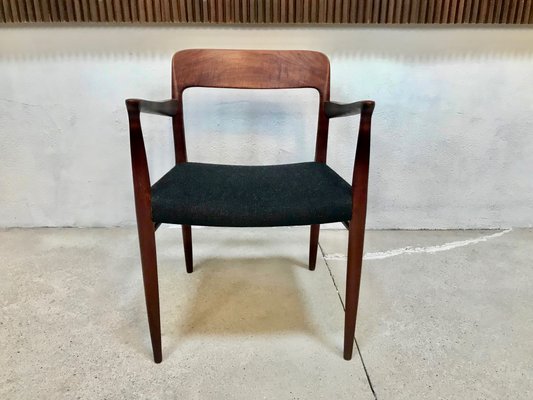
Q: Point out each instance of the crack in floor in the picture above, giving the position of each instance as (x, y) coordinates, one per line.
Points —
(380, 255)
(344, 308)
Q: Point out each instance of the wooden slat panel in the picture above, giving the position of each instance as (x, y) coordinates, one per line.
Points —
(444, 12)
(483, 8)
(22, 10)
(368, 11)
(491, 5)
(314, 11)
(29, 10)
(197, 11)
(252, 10)
(182, 11)
(512, 12)
(54, 13)
(165, 11)
(406, 6)
(398, 11)
(376, 6)
(283, 10)
(101, 10)
(209, 5)
(505, 11)
(270, 11)
(476, 5)
(305, 11)
(7, 11)
(452, 12)
(468, 11)
(460, 12)
(415, 9)
(93, 11)
(110, 12)
(383, 11)
(276, 11)
(527, 12)
(84, 11)
(61, 10)
(337, 7)
(330, 10)
(157, 10)
(227, 12)
(519, 11)
(36, 10)
(496, 11)
(391, 9)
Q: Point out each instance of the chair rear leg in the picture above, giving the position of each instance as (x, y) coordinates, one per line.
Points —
(353, 280)
(187, 246)
(151, 286)
(313, 247)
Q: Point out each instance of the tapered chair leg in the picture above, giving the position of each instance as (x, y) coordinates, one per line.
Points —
(353, 280)
(187, 246)
(313, 247)
(151, 286)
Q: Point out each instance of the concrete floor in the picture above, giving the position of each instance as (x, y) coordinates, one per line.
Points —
(443, 315)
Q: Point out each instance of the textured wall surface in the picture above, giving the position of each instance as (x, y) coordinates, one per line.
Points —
(452, 139)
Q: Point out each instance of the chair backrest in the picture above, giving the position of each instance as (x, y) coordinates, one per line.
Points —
(250, 69)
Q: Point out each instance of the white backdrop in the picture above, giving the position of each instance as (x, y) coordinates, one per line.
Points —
(452, 137)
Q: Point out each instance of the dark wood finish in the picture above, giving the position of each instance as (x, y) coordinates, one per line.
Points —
(356, 234)
(250, 69)
(257, 69)
(145, 226)
(313, 246)
(356, 226)
(187, 246)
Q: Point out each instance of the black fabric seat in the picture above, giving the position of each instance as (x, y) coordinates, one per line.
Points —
(234, 195)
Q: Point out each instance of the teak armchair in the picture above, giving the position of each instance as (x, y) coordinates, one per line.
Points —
(229, 195)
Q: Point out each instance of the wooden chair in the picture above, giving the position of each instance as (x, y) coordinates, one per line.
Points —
(224, 195)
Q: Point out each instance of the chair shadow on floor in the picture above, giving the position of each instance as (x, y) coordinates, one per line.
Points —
(244, 297)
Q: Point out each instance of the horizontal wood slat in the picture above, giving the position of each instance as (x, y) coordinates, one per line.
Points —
(270, 11)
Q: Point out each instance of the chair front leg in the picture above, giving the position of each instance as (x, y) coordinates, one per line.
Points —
(313, 247)
(353, 280)
(151, 287)
(187, 246)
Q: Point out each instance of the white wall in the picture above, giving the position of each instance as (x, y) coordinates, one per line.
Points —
(452, 139)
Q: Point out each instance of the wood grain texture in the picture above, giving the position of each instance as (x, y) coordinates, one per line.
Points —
(250, 69)
(269, 11)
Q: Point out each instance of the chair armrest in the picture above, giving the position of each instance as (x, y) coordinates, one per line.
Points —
(362, 157)
(334, 109)
(139, 163)
(362, 160)
(165, 107)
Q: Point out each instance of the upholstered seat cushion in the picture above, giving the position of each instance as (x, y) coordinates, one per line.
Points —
(235, 195)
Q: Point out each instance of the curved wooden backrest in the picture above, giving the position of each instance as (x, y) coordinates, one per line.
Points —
(250, 69)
